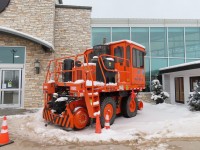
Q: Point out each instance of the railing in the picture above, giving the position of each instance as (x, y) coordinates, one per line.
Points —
(100, 61)
(58, 71)
(56, 64)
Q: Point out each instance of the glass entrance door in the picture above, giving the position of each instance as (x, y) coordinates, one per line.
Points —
(10, 87)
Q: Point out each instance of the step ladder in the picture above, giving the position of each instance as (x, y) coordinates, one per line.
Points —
(92, 101)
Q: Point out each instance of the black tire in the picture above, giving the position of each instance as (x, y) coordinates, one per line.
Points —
(104, 102)
(125, 107)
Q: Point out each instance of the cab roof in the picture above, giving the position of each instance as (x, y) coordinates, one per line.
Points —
(127, 41)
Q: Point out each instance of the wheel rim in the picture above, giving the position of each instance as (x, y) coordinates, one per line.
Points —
(108, 110)
(81, 118)
(132, 105)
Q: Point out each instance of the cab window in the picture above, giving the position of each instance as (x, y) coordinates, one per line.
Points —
(138, 58)
(128, 55)
(119, 52)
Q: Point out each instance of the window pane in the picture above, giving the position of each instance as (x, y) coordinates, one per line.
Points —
(119, 52)
(156, 64)
(120, 34)
(176, 42)
(175, 61)
(193, 83)
(128, 56)
(190, 60)
(98, 34)
(11, 79)
(134, 53)
(158, 42)
(138, 58)
(12, 55)
(10, 97)
(141, 36)
(147, 73)
(141, 59)
(192, 38)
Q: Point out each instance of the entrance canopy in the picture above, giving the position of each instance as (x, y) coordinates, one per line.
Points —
(46, 45)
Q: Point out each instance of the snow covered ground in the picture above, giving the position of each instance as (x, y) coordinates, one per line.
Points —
(154, 121)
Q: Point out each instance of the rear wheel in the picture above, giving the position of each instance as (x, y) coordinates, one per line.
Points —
(108, 105)
(81, 118)
(129, 107)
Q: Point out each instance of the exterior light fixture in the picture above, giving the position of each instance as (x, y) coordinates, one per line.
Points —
(13, 51)
(37, 66)
(17, 56)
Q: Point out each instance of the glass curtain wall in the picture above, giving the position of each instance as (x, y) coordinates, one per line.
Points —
(192, 39)
(98, 34)
(165, 46)
(120, 33)
(141, 35)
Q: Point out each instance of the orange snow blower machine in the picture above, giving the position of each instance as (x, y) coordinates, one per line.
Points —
(103, 80)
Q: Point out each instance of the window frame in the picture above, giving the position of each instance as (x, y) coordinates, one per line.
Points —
(121, 50)
(137, 58)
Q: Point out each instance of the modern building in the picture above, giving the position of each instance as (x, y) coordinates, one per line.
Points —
(168, 42)
(31, 33)
(170, 31)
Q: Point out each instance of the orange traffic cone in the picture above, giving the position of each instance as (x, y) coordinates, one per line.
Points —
(98, 125)
(4, 137)
(107, 121)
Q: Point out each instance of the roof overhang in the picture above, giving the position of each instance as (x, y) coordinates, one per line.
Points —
(45, 45)
(181, 67)
(73, 7)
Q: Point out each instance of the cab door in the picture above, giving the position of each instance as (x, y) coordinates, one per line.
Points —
(138, 77)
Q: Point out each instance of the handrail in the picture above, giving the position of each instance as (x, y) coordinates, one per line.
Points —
(110, 70)
(57, 68)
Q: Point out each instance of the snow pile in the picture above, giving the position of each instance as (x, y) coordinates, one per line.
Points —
(95, 57)
(96, 93)
(51, 81)
(95, 83)
(110, 59)
(111, 84)
(89, 64)
(61, 99)
(155, 97)
(79, 81)
(129, 41)
(154, 121)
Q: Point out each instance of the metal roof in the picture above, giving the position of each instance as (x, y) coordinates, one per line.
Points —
(181, 67)
(46, 45)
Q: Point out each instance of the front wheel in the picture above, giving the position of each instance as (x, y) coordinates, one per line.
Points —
(108, 106)
(81, 118)
(129, 107)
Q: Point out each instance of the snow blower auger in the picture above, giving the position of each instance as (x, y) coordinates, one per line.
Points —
(103, 80)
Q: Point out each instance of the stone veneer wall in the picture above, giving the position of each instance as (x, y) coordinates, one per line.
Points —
(72, 31)
(72, 35)
(33, 94)
(34, 17)
(145, 97)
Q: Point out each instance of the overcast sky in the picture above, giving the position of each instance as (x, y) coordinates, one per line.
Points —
(168, 9)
